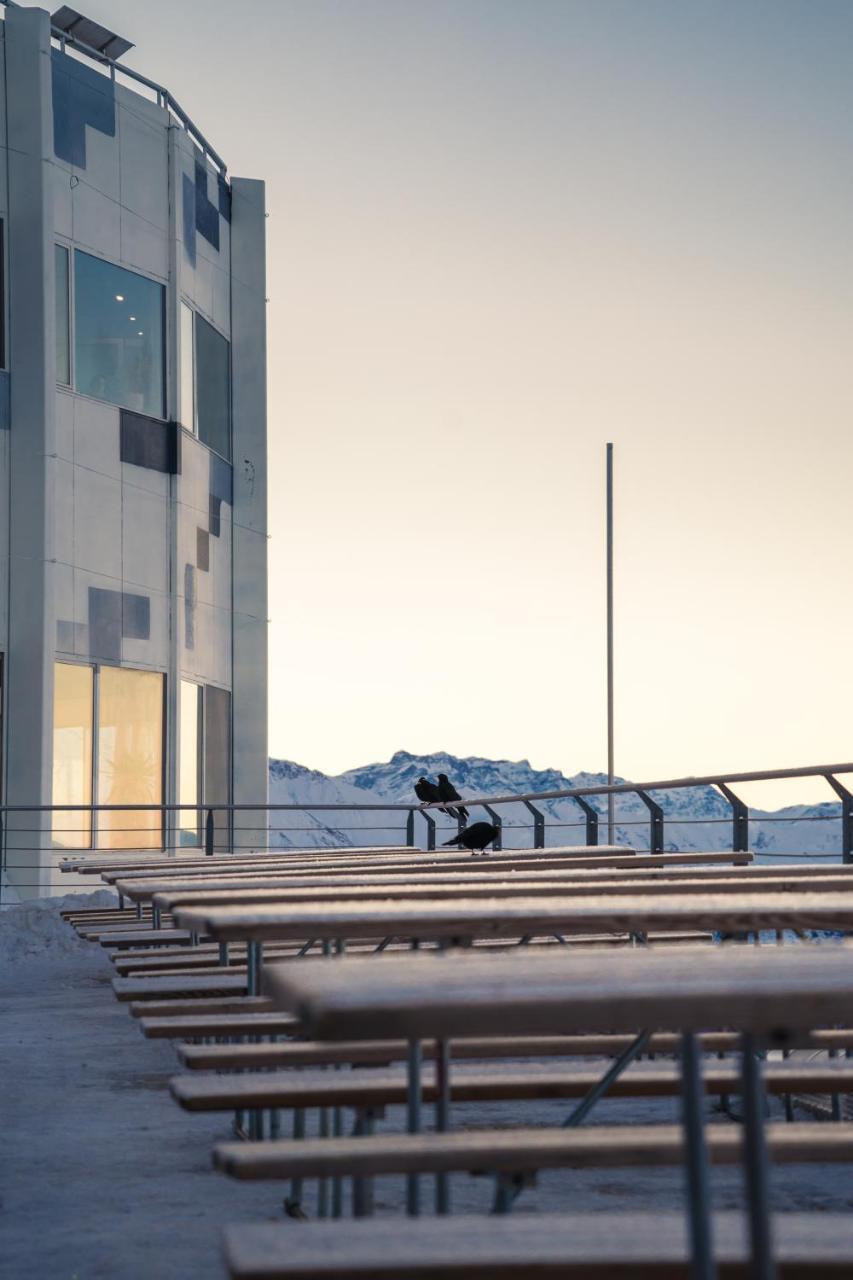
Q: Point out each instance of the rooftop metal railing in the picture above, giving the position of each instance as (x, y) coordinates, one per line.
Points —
(28, 832)
(117, 71)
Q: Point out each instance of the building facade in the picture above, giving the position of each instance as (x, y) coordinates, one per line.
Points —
(133, 547)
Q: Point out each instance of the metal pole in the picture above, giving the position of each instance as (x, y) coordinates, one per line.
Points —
(610, 774)
(696, 1161)
(756, 1163)
(415, 1059)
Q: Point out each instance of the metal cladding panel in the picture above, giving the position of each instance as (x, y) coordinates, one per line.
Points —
(83, 99)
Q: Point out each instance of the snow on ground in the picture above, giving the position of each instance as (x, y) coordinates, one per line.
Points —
(105, 1178)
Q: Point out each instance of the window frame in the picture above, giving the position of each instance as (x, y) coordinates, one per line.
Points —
(194, 429)
(94, 826)
(69, 317)
(199, 765)
(72, 250)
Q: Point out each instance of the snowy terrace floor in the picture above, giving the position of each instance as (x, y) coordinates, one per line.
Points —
(103, 1176)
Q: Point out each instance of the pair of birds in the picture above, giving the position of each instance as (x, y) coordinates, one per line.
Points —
(477, 836)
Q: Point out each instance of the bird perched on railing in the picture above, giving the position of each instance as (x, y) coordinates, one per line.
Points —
(447, 791)
(426, 791)
(475, 837)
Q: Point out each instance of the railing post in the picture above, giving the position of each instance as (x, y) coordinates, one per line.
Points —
(655, 822)
(846, 798)
(591, 819)
(208, 834)
(538, 826)
(740, 819)
(430, 823)
(410, 829)
(497, 821)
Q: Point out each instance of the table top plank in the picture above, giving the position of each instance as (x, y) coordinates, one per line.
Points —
(773, 990)
(517, 916)
(245, 895)
(532, 859)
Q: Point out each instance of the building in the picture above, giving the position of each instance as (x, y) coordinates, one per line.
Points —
(133, 543)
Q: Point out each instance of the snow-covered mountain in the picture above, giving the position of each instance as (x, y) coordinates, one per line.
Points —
(813, 829)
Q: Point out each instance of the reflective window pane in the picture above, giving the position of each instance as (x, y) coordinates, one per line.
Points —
(63, 342)
(189, 760)
(73, 689)
(130, 757)
(212, 387)
(118, 336)
(187, 367)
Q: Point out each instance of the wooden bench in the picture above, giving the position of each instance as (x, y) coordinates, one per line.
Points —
(594, 1246)
(183, 987)
(287, 1090)
(520, 1151)
(301, 1053)
(190, 1026)
(178, 1007)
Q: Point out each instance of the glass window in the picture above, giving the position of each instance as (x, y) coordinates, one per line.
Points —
(212, 387)
(187, 367)
(118, 335)
(189, 791)
(63, 340)
(73, 688)
(130, 757)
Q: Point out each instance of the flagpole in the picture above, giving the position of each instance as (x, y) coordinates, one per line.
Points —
(610, 771)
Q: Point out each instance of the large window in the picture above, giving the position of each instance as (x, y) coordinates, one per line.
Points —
(130, 757)
(205, 382)
(73, 710)
(118, 336)
(120, 764)
(63, 333)
(189, 779)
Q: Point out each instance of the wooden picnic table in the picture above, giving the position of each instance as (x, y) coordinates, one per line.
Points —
(520, 916)
(773, 991)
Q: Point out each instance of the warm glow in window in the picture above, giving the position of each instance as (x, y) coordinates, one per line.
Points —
(130, 757)
(72, 753)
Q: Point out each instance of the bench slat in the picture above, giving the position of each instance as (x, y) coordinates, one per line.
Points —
(288, 1089)
(596, 1246)
(520, 1150)
(237, 1057)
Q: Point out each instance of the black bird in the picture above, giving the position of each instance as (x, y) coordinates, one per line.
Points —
(426, 791)
(447, 791)
(475, 837)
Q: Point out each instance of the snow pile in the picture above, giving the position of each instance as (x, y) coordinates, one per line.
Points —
(35, 928)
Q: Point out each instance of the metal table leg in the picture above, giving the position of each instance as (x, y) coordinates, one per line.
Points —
(415, 1063)
(442, 1118)
(698, 1181)
(762, 1266)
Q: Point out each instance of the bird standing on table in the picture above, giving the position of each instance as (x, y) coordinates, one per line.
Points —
(475, 837)
(447, 791)
(426, 791)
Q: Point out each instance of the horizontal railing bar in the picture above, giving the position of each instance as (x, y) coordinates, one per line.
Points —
(618, 788)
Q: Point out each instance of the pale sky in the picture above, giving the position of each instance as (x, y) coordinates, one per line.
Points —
(501, 233)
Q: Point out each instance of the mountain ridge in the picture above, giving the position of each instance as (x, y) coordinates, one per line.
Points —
(695, 817)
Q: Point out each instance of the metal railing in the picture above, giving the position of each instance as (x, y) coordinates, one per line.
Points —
(162, 96)
(220, 829)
